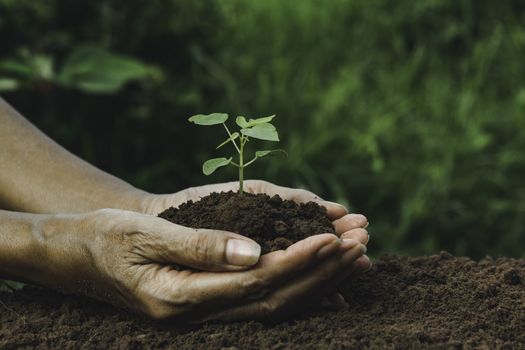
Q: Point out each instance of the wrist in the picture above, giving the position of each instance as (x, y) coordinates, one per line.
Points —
(22, 247)
(43, 249)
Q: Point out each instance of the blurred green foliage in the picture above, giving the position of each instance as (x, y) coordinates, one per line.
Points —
(410, 112)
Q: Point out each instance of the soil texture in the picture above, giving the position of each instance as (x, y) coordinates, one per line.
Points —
(437, 302)
(272, 222)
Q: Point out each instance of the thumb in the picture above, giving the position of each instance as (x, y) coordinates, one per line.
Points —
(204, 249)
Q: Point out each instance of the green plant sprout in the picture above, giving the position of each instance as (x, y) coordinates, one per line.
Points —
(260, 128)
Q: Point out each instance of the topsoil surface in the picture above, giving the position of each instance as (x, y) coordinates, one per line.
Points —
(439, 301)
(271, 221)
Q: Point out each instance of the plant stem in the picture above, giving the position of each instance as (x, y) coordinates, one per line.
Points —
(241, 166)
(230, 135)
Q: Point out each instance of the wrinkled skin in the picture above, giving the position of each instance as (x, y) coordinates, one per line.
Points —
(75, 228)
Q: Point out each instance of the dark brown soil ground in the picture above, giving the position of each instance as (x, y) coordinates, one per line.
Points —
(272, 222)
(439, 302)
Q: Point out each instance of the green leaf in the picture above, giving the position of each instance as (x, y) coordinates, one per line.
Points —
(7, 84)
(16, 67)
(209, 119)
(234, 136)
(211, 165)
(43, 67)
(241, 121)
(261, 120)
(264, 131)
(94, 69)
(260, 154)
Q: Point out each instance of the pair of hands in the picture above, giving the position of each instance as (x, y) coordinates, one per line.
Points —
(125, 258)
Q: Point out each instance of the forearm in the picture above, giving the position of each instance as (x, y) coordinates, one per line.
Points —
(37, 175)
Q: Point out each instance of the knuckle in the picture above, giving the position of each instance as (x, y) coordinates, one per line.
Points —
(157, 308)
(199, 247)
(255, 286)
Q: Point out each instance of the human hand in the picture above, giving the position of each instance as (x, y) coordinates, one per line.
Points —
(347, 226)
(126, 258)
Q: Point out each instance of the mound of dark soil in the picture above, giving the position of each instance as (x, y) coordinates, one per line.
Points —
(439, 302)
(271, 221)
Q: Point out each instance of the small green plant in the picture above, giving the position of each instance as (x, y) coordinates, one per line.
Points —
(260, 128)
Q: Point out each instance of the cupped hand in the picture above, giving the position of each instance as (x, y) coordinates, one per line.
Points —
(346, 225)
(127, 259)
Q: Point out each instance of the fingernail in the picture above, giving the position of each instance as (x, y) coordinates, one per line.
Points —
(335, 205)
(242, 253)
(359, 219)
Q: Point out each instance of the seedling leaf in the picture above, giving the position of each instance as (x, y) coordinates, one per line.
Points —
(261, 120)
(211, 165)
(234, 136)
(260, 154)
(209, 119)
(241, 121)
(264, 131)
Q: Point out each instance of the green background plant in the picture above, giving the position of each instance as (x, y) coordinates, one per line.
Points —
(410, 112)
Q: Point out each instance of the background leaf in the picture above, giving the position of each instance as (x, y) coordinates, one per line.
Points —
(16, 67)
(7, 84)
(94, 69)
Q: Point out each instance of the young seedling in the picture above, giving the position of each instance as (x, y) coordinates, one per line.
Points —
(260, 128)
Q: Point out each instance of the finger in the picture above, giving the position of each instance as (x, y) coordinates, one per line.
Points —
(359, 234)
(293, 295)
(183, 291)
(350, 221)
(211, 250)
